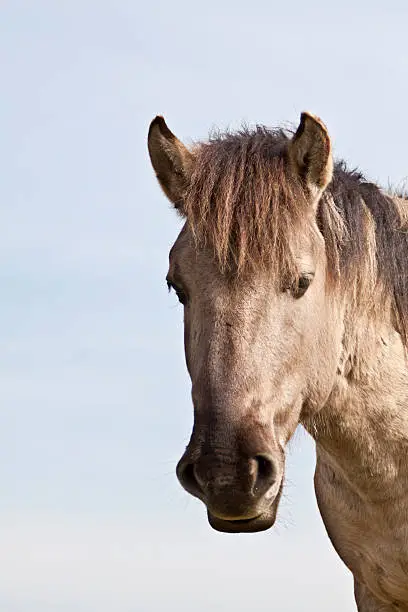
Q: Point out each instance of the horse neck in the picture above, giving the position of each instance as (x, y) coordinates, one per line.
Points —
(363, 428)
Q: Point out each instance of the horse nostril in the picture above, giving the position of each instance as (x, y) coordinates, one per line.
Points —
(187, 477)
(265, 466)
(264, 473)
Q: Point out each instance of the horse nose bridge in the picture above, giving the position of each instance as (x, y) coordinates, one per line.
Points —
(223, 355)
(225, 376)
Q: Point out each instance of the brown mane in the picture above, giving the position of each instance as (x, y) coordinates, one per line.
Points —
(244, 202)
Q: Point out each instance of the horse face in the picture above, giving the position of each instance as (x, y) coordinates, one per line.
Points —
(260, 341)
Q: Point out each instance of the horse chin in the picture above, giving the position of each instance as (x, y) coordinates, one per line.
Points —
(263, 521)
(259, 523)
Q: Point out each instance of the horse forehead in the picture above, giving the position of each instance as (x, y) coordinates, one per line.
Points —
(196, 266)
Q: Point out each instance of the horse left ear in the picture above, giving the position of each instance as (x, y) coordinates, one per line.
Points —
(310, 152)
(171, 160)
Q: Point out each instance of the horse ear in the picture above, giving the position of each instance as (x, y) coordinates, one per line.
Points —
(171, 160)
(311, 153)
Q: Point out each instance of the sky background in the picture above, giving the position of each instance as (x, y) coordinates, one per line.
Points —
(94, 396)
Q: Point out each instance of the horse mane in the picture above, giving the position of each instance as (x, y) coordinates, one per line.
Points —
(242, 200)
(373, 253)
(246, 204)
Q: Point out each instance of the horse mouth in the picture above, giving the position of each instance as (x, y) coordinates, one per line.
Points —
(252, 525)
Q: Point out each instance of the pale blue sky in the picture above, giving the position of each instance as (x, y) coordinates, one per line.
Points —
(95, 401)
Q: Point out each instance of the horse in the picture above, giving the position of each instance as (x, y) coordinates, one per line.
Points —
(293, 274)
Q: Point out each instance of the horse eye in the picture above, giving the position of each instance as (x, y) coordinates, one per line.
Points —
(300, 287)
(182, 298)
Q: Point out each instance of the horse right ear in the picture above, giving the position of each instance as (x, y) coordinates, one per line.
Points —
(171, 160)
(310, 152)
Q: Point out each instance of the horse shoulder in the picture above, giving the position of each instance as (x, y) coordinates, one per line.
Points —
(375, 554)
